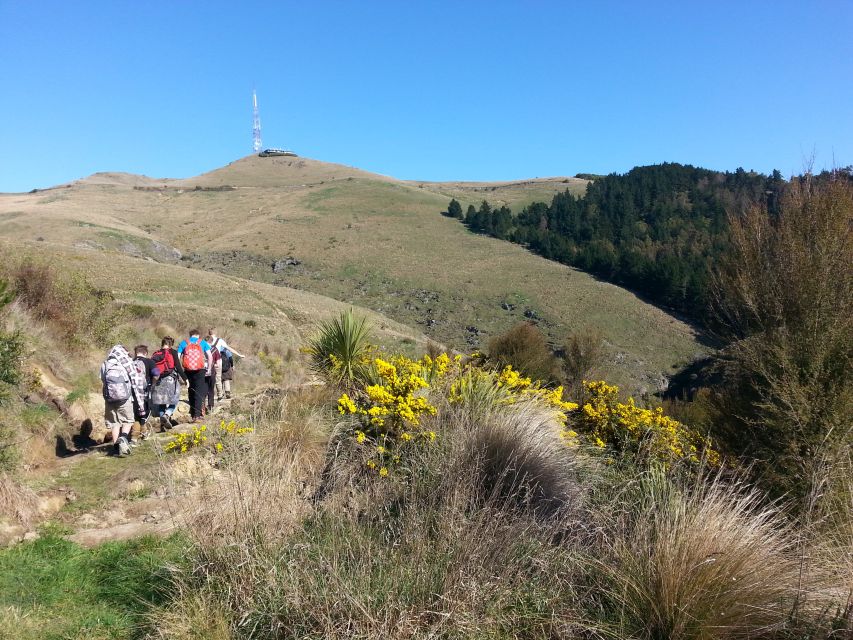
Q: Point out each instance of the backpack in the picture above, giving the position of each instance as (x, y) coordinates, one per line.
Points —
(193, 358)
(116, 381)
(142, 371)
(164, 359)
(227, 361)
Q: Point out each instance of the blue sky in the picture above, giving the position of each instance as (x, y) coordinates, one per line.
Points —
(433, 91)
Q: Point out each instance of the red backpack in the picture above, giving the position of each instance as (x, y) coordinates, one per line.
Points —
(193, 357)
(163, 358)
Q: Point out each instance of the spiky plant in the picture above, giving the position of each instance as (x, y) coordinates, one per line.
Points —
(340, 352)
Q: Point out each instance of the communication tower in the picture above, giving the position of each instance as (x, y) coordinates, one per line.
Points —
(256, 124)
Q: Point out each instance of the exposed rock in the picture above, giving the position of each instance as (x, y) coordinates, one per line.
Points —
(280, 265)
(506, 306)
(531, 314)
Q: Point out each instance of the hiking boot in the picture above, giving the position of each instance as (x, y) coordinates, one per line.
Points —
(123, 447)
(172, 421)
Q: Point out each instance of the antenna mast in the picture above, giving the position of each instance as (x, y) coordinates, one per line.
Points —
(256, 124)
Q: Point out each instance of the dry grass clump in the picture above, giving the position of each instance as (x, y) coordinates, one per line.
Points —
(17, 502)
(516, 453)
(711, 560)
(191, 616)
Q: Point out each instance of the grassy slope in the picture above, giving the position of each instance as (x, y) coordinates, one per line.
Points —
(361, 238)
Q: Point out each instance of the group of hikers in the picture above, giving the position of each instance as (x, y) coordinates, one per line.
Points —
(141, 387)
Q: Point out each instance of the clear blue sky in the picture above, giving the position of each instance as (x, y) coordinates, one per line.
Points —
(433, 91)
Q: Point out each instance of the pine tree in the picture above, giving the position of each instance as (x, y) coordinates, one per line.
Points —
(454, 209)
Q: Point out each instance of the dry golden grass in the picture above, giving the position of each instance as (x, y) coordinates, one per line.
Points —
(17, 502)
(361, 238)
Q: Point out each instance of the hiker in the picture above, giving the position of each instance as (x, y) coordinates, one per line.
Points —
(166, 393)
(195, 357)
(123, 395)
(222, 382)
(214, 372)
(149, 371)
(227, 363)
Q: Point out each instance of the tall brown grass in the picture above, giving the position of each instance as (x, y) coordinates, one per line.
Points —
(17, 502)
(498, 531)
(710, 560)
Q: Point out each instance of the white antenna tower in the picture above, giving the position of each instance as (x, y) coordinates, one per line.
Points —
(256, 124)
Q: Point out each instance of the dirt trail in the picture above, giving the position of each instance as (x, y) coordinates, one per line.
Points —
(101, 498)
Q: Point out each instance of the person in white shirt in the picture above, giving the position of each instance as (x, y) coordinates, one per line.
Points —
(225, 350)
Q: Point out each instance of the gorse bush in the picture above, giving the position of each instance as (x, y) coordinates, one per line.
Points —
(215, 440)
(644, 434)
(340, 351)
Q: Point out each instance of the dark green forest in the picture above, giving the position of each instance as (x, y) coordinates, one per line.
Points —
(657, 230)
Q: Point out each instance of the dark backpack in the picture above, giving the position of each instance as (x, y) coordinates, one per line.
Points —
(164, 360)
(227, 361)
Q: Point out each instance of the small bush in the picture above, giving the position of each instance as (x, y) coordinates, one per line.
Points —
(583, 355)
(139, 311)
(340, 351)
(81, 313)
(524, 348)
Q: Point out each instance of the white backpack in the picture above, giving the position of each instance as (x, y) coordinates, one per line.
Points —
(116, 381)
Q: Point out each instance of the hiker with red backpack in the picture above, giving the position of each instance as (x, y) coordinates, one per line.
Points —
(123, 391)
(196, 357)
(166, 392)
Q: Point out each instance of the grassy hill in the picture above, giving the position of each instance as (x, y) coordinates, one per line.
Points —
(346, 234)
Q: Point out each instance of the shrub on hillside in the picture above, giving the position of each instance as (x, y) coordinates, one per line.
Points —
(524, 348)
(785, 303)
(583, 354)
(642, 435)
(81, 313)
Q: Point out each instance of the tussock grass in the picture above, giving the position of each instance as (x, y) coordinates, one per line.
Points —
(497, 531)
(702, 559)
(516, 452)
(17, 502)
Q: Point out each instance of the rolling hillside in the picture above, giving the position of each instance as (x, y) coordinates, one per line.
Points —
(346, 234)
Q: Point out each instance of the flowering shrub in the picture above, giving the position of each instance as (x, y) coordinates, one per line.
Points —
(624, 427)
(200, 436)
(391, 409)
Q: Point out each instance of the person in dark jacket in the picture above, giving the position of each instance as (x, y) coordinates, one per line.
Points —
(166, 391)
(149, 371)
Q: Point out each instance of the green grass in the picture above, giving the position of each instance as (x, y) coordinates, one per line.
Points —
(100, 479)
(52, 588)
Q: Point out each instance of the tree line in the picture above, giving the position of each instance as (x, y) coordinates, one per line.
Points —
(656, 230)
